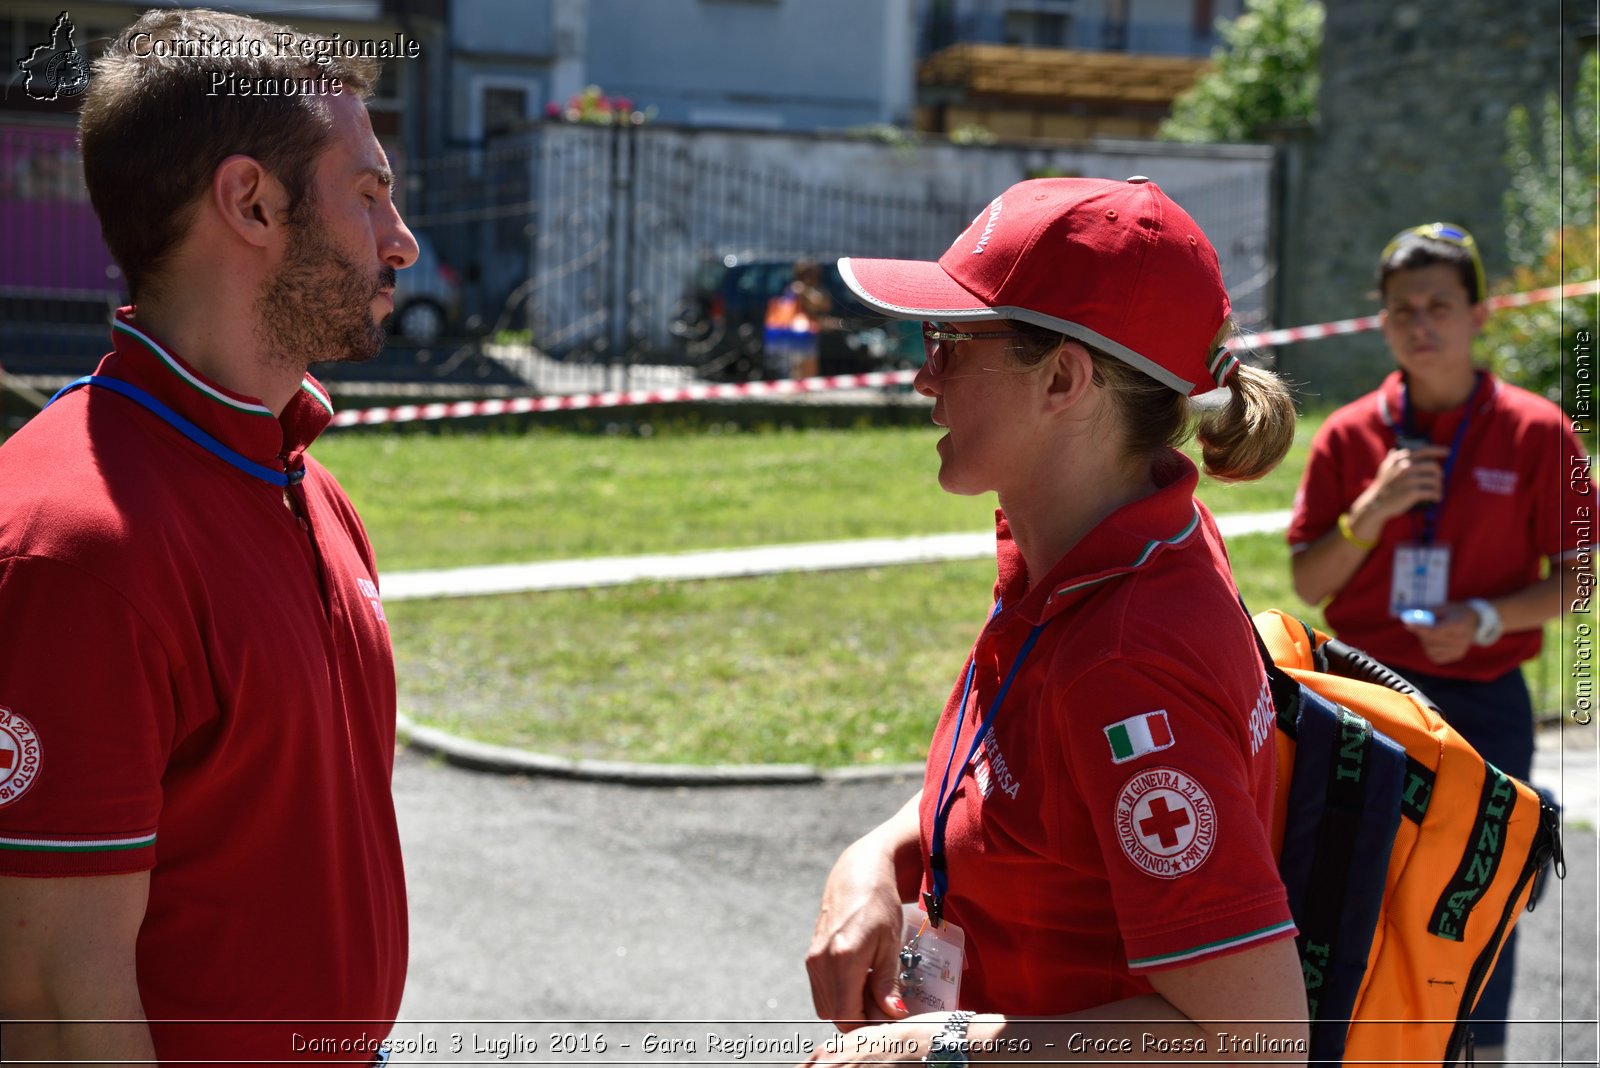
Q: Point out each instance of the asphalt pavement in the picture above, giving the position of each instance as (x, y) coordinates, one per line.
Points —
(564, 917)
(552, 917)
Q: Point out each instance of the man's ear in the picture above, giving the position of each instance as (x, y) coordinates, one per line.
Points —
(1070, 377)
(249, 200)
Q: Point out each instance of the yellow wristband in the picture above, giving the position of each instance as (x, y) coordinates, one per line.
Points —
(1348, 534)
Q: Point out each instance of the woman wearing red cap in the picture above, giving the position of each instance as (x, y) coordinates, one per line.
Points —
(1092, 838)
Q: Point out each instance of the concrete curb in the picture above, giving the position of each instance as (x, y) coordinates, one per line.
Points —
(729, 563)
(505, 760)
(1575, 773)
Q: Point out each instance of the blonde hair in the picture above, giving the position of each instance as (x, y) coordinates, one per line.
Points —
(1239, 442)
(1252, 434)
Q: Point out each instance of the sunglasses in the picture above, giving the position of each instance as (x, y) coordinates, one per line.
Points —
(939, 346)
(1450, 234)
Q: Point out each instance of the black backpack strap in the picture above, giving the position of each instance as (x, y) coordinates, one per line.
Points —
(1343, 812)
(1352, 663)
(1338, 658)
(1343, 809)
(1285, 691)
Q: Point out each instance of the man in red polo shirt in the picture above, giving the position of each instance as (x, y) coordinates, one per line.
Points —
(1436, 520)
(196, 686)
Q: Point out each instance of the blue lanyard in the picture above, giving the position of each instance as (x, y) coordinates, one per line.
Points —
(1430, 514)
(934, 901)
(187, 429)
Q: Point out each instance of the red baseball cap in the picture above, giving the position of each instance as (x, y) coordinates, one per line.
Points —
(1116, 265)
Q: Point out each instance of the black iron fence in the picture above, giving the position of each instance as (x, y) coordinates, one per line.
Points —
(605, 247)
(568, 258)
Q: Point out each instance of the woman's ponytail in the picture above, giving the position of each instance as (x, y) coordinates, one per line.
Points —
(1252, 433)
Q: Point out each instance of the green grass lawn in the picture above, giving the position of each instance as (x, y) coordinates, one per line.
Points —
(448, 500)
(834, 668)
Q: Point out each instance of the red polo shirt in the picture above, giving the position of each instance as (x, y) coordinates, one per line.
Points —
(1116, 818)
(201, 676)
(1507, 507)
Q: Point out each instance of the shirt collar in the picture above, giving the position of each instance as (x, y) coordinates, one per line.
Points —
(1125, 541)
(240, 422)
(1391, 405)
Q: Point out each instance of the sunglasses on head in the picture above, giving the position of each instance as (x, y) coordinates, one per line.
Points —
(939, 345)
(1450, 234)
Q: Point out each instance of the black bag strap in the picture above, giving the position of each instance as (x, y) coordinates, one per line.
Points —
(1352, 663)
(1343, 818)
(1285, 691)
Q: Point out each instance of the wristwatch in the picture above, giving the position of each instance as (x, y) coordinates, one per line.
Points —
(949, 1047)
(1489, 626)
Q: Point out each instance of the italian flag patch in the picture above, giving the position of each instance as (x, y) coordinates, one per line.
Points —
(1138, 735)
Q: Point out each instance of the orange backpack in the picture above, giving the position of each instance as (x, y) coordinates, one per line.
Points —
(1407, 856)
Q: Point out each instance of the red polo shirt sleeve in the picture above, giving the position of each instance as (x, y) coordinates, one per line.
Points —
(1322, 494)
(85, 700)
(1178, 790)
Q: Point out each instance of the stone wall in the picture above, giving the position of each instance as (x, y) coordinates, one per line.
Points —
(1414, 102)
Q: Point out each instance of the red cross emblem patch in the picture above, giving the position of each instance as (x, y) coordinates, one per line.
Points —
(1165, 822)
(20, 754)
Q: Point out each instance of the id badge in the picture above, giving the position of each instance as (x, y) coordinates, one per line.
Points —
(930, 963)
(1421, 577)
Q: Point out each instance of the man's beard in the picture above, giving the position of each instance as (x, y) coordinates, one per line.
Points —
(318, 307)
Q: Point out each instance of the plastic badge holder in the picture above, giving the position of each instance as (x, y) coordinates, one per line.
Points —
(931, 963)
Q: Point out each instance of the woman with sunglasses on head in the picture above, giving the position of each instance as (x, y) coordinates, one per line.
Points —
(1439, 517)
(1091, 842)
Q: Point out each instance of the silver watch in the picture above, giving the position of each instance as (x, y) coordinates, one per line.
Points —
(949, 1047)
(1489, 625)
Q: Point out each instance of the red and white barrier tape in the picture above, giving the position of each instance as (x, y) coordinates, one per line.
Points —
(1293, 334)
(411, 413)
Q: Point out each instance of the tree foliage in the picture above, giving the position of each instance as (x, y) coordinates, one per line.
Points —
(1550, 213)
(1264, 73)
(1552, 168)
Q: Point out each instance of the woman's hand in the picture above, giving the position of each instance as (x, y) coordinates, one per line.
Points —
(1405, 479)
(1262, 984)
(1451, 637)
(854, 957)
